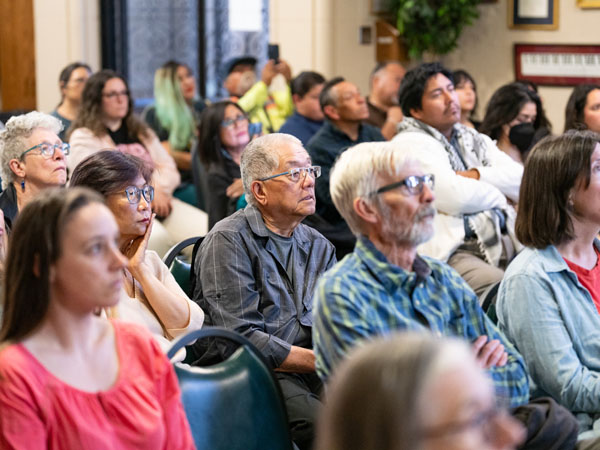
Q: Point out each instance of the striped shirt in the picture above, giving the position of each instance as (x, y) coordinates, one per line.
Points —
(365, 296)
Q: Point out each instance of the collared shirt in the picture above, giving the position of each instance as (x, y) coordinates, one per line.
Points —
(302, 127)
(241, 284)
(365, 296)
(551, 318)
(324, 148)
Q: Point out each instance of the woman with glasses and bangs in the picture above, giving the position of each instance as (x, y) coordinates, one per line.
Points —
(32, 158)
(106, 121)
(223, 135)
(151, 295)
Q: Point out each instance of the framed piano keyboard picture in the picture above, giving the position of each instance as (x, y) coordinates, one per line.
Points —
(557, 64)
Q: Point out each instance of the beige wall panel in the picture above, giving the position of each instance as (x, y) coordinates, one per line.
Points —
(323, 35)
(301, 28)
(353, 60)
(74, 36)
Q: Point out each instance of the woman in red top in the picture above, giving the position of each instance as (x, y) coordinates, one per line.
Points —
(69, 378)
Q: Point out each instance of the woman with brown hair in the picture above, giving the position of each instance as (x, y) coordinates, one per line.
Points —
(69, 378)
(549, 301)
(106, 121)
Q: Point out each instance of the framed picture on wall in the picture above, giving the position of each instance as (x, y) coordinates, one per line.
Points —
(588, 3)
(533, 14)
(557, 65)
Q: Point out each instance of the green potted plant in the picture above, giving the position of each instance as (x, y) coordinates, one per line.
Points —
(432, 26)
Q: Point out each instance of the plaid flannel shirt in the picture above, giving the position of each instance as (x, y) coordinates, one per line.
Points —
(365, 296)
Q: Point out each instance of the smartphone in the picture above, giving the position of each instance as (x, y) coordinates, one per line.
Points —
(254, 129)
(273, 52)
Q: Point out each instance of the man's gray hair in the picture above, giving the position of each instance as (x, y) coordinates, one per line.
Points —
(356, 172)
(261, 157)
(12, 139)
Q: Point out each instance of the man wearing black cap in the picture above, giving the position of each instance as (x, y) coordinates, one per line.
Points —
(239, 75)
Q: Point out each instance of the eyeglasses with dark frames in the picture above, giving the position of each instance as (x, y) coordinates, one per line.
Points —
(230, 122)
(294, 174)
(47, 150)
(413, 185)
(134, 194)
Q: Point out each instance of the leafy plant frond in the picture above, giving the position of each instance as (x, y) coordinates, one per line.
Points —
(433, 25)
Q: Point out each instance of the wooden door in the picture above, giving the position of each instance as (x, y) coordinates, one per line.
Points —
(17, 55)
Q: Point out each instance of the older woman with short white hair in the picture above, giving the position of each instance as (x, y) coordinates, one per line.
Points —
(32, 158)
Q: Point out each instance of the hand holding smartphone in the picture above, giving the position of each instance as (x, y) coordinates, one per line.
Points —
(273, 53)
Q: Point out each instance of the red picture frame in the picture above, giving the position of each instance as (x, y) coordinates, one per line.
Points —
(557, 64)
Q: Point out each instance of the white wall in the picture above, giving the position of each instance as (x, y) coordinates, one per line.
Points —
(65, 31)
(323, 35)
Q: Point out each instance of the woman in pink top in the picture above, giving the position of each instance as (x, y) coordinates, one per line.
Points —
(69, 378)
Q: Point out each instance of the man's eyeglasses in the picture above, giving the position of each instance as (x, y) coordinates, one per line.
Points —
(413, 184)
(47, 150)
(134, 193)
(115, 94)
(294, 174)
(229, 122)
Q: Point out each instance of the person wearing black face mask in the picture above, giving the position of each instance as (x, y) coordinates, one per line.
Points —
(512, 118)
(521, 136)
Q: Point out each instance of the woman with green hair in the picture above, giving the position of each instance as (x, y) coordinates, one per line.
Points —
(174, 118)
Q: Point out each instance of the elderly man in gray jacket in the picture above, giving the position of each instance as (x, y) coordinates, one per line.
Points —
(257, 270)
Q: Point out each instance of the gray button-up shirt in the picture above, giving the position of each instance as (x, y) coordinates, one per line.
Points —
(241, 284)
